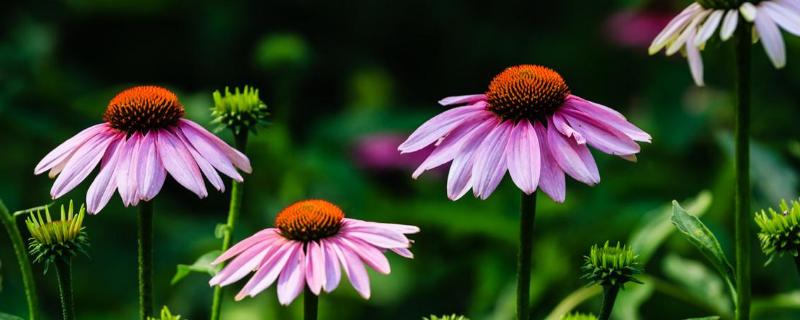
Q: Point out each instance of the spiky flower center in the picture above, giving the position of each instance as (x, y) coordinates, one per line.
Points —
(611, 265)
(142, 109)
(56, 239)
(779, 231)
(309, 220)
(526, 92)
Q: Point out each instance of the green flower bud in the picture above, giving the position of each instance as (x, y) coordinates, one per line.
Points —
(780, 231)
(56, 239)
(446, 317)
(240, 111)
(578, 316)
(611, 266)
(165, 315)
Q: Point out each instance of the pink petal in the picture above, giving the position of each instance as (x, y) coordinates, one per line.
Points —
(354, 269)
(66, 149)
(197, 135)
(490, 161)
(459, 179)
(601, 135)
(437, 127)
(269, 271)
(81, 164)
(369, 254)
(245, 244)
(606, 115)
(561, 125)
(771, 39)
(403, 252)
(150, 172)
(205, 166)
(292, 280)
(103, 186)
(695, 62)
(571, 157)
(524, 157)
(355, 224)
(315, 267)
(452, 143)
(332, 272)
(551, 179)
(243, 264)
(462, 99)
(379, 237)
(179, 162)
(126, 170)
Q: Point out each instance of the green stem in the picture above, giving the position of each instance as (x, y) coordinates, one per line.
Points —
(310, 301)
(797, 261)
(742, 164)
(145, 251)
(527, 216)
(237, 190)
(22, 257)
(609, 296)
(64, 273)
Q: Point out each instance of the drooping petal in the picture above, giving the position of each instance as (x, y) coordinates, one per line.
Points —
(332, 271)
(551, 178)
(292, 279)
(729, 24)
(437, 127)
(673, 28)
(197, 134)
(562, 126)
(783, 16)
(490, 161)
(748, 11)
(103, 186)
(243, 264)
(179, 163)
(606, 115)
(571, 157)
(695, 63)
(792, 5)
(270, 269)
(403, 252)
(689, 32)
(315, 267)
(378, 237)
(462, 99)
(369, 254)
(126, 170)
(771, 39)
(708, 28)
(205, 167)
(368, 226)
(354, 268)
(150, 172)
(451, 145)
(63, 152)
(81, 164)
(459, 179)
(524, 157)
(245, 244)
(601, 135)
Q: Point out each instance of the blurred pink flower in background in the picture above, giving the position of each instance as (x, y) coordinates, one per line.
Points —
(378, 151)
(636, 28)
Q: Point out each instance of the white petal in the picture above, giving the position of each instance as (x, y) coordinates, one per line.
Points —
(708, 28)
(771, 40)
(729, 25)
(749, 11)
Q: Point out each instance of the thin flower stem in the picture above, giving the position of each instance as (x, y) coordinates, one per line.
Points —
(22, 257)
(609, 297)
(310, 301)
(797, 261)
(742, 164)
(237, 190)
(64, 273)
(527, 216)
(145, 236)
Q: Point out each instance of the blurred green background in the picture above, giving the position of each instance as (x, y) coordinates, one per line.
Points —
(346, 81)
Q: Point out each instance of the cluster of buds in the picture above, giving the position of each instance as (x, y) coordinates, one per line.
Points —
(579, 316)
(611, 266)
(446, 317)
(166, 315)
(240, 111)
(780, 231)
(57, 239)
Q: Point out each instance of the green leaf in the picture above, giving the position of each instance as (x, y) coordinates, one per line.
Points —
(6, 316)
(631, 299)
(704, 318)
(782, 301)
(701, 283)
(773, 177)
(698, 234)
(202, 265)
(220, 230)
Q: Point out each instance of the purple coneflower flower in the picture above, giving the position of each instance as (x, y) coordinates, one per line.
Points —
(528, 123)
(310, 244)
(143, 138)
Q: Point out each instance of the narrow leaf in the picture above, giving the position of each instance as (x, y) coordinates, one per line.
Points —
(202, 265)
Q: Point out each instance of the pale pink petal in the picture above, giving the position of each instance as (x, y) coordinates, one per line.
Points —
(562, 126)
(524, 157)
(783, 16)
(355, 224)
(601, 135)
(771, 39)
(268, 271)
(126, 170)
(490, 161)
(81, 164)
(315, 267)
(708, 28)
(695, 63)
(243, 264)
(245, 244)
(150, 172)
(354, 268)
(452, 143)
(292, 279)
(551, 179)
(179, 163)
(459, 179)
(437, 127)
(191, 129)
(606, 115)
(368, 253)
(63, 152)
(333, 273)
(205, 166)
(103, 186)
(209, 149)
(683, 39)
(379, 237)
(729, 24)
(570, 157)
(792, 5)
(673, 28)
(462, 99)
(403, 252)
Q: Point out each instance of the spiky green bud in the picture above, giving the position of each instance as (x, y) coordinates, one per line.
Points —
(578, 316)
(165, 315)
(611, 266)
(446, 317)
(56, 239)
(780, 231)
(240, 111)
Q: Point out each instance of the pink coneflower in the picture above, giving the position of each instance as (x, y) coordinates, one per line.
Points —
(143, 138)
(529, 124)
(310, 241)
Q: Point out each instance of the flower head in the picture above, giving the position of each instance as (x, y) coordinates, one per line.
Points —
(165, 315)
(143, 138)
(309, 245)
(57, 239)
(239, 111)
(611, 266)
(579, 316)
(691, 29)
(528, 123)
(780, 231)
(446, 317)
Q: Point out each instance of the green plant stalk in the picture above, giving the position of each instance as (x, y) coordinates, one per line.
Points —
(64, 273)
(609, 297)
(145, 254)
(797, 261)
(237, 190)
(22, 257)
(742, 217)
(527, 216)
(310, 301)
